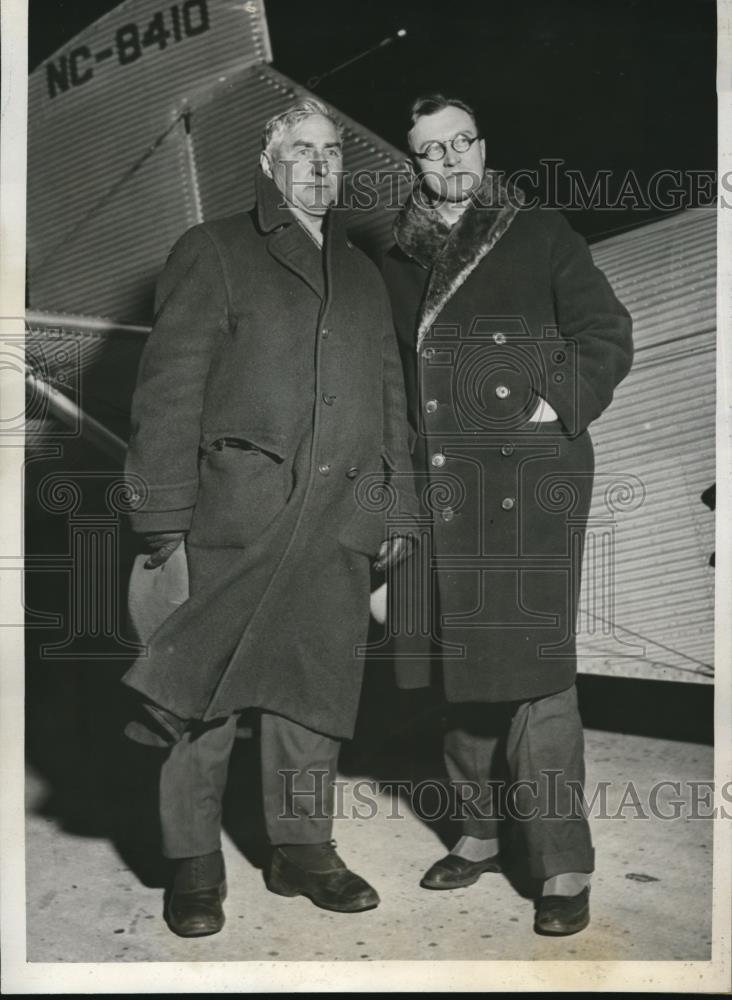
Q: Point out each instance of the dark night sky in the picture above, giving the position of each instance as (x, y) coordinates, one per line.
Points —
(602, 84)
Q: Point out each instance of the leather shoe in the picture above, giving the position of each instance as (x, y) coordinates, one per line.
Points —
(199, 888)
(454, 872)
(323, 879)
(560, 915)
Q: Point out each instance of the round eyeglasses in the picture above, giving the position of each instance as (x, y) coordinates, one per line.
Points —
(436, 150)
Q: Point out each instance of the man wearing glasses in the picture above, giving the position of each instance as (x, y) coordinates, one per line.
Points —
(512, 342)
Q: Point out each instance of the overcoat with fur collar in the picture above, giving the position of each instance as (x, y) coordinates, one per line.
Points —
(501, 311)
(269, 408)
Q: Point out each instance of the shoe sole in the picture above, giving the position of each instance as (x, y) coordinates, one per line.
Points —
(462, 884)
(167, 917)
(549, 932)
(194, 934)
(281, 889)
(443, 886)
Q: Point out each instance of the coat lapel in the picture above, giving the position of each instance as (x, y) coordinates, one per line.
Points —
(287, 241)
(294, 249)
(492, 210)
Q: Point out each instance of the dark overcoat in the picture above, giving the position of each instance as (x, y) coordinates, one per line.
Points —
(269, 408)
(507, 309)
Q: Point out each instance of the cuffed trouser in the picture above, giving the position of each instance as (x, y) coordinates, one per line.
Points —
(535, 749)
(298, 770)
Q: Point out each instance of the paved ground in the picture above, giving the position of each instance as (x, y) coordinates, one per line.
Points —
(94, 898)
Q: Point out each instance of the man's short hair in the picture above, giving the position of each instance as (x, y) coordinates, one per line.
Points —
(430, 104)
(292, 116)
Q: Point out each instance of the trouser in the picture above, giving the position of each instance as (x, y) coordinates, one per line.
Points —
(298, 769)
(524, 760)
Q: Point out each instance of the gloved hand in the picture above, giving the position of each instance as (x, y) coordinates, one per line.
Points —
(162, 545)
(393, 551)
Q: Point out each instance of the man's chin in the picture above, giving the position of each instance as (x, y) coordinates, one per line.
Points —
(317, 205)
(452, 190)
(461, 187)
(318, 210)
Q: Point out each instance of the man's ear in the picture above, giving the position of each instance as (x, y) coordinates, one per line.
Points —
(265, 164)
(414, 178)
(481, 143)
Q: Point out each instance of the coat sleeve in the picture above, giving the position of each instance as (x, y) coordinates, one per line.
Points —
(191, 313)
(597, 326)
(396, 427)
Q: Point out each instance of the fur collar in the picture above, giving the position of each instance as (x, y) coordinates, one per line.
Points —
(420, 231)
(453, 253)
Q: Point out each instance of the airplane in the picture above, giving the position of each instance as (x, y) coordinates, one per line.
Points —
(147, 123)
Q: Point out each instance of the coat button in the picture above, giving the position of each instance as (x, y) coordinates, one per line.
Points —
(328, 400)
(438, 460)
(352, 472)
(448, 514)
(324, 469)
(431, 405)
(499, 338)
(325, 333)
(502, 391)
(428, 352)
(508, 503)
(506, 450)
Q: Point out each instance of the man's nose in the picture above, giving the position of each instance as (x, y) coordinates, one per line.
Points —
(320, 166)
(451, 156)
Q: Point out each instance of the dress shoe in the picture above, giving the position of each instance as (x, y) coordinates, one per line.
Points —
(560, 915)
(199, 888)
(322, 876)
(454, 872)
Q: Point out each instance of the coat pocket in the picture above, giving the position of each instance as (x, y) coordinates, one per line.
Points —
(243, 486)
(364, 532)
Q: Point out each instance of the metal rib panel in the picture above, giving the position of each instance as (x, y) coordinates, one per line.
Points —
(660, 428)
(665, 274)
(106, 194)
(109, 265)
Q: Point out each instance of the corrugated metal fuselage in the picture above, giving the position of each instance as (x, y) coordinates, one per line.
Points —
(150, 121)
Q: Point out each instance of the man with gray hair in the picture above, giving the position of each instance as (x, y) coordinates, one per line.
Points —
(269, 403)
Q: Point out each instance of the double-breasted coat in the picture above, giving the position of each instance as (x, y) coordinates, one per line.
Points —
(505, 309)
(269, 409)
